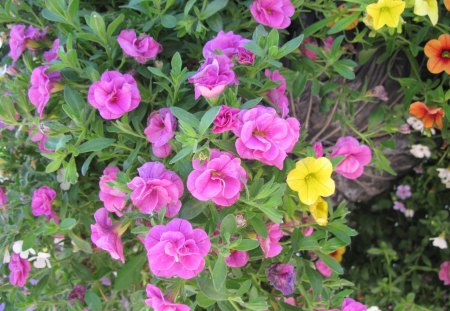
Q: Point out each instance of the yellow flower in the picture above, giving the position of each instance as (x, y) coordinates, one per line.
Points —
(311, 178)
(338, 254)
(385, 12)
(319, 211)
(427, 7)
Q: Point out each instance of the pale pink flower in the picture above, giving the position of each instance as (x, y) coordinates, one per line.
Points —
(158, 302)
(3, 198)
(323, 268)
(52, 54)
(142, 48)
(42, 85)
(113, 199)
(277, 95)
(444, 272)
(399, 206)
(20, 37)
(403, 192)
(356, 156)
(318, 149)
(42, 201)
(19, 270)
(271, 246)
(237, 259)
(227, 43)
(160, 130)
(226, 120)
(273, 13)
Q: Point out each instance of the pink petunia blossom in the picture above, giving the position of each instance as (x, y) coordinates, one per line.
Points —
(3, 198)
(227, 43)
(270, 245)
(213, 77)
(226, 119)
(356, 156)
(41, 138)
(160, 129)
(19, 270)
(142, 48)
(245, 57)
(113, 199)
(403, 192)
(323, 268)
(114, 95)
(237, 259)
(42, 202)
(158, 302)
(42, 85)
(105, 236)
(21, 37)
(52, 54)
(350, 304)
(277, 95)
(220, 179)
(176, 249)
(273, 13)
(318, 149)
(266, 137)
(444, 272)
(156, 187)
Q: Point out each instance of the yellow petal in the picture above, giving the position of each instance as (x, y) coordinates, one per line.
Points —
(323, 168)
(319, 211)
(374, 12)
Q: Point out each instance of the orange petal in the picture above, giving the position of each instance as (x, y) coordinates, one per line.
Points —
(418, 109)
(436, 65)
(438, 122)
(433, 48)
(445, 41)
(428, 121)
(447, 4)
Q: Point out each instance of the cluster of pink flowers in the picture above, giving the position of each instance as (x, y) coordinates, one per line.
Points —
(160, 130)
(42, 203)
(275, 14)
(142, 48)
(113, 199)
(356, 156)
(42, 85)
(23, 37)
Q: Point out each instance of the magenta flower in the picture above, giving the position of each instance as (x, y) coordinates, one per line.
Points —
(273, 13)
(142, 48)
(318, 149)
(114, 95)
(158, 302)
(323, 268)
(245, 57)
(3, 197)
(20, 39)
(42, 85)
(266, 137)
(227, 43)
(219, 179)
(356, 157)
(282, 277)
(156, 187)
(52, 54)
(226, 120)
(403, 192)
(105, 236)
(271, 246)
(160, 129)
(444, 272)
(213, 77)
(42, 201)
(41, 138)
(19, 269)
(352, 305)
(176, 249)
(278, 95)
(113, 199)
(237, 259)
(306, 50)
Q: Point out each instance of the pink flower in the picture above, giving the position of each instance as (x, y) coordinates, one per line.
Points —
(227, 43)
(213, 77)
(41, 138)
(444, 272)
(52, 54)
(105, 236)
(156, 187)
(42, 201)
(318, 149)
(42, 85)
(328, 43)
(157, 301)
(113, 199)
(399, 206)
(114, 95)
(352, 305)
(176, 249)
(323, 268)
(266, 137)
(282, 277)
(237, 259)
(160, 129)
(356, 157)
(277, 95)
(20, 37)
(403, 192)
(19, 269)
(273, 13)
(142, 48)
(306, 51)
(226, 120)
(245, 57)
(219, 179)
(3, 198)
(271, 246)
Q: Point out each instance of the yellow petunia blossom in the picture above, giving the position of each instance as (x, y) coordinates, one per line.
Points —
(319, 211)
(338, 253)
(427, 7)
(385, 12)
(311, 178)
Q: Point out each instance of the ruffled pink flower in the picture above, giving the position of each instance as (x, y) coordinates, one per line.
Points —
(352, 305)
(105, 236)
(20, 36)
(306, 51)
(175, 249)
(271, 246)
(323, 268)
(318, 149)
(225, 42)
(114, 95)
(42, 85)
(156, 187)
(273, 13)
(266, 137)
(226, 119)
(42, 202)
(160, 129)
(158, 302)
(3, 198)
(213, 77)
(219, 179)
(245, 57)
(113, 199)
(356, 157)
(444, 272)
(278, 95)
(237, 259)
(19, 269)
(142, 48)
(52, 54)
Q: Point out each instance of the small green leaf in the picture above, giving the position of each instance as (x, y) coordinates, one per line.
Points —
(290, 46)
(96, 144)
(169, 21)
(208, 119)
(342, 23)
(219, 273)
(185, 116)
(213, 7)
(80, 243)
(228, 227)
(93, 301)
(130, 273)
(246, 245)
(331, 263)
(181, 154)
(67, 224)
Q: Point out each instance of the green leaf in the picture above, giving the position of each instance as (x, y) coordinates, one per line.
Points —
(208, 288)
(341, 231)
(246, 245)
(208, 119)
(314, 278)
(70, 171)
(273, 38)
(213, 7)
(192, 209)
(252, 46)
(228, 227)
(97, 24)
(181, 154)
(259, 226)
(331, 263)
(96, 144)
(80, 243)
(114, 24)
(130, 273)
(67, 224)
(251, 103)
(219, 273)
(342, 23)
(185, 116)
(93, 301)
(344, 70)
(75, 101)
(176, 63)
(157, 72)
(203, 300)
(169, 21)
(290, 46)
(308, 243)
(54, 165)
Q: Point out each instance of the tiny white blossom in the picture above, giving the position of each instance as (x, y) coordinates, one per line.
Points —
(17, 248)
(440, 242)
(409, 213)
(374, 308)
(41, 260)
(420, 151)
(415, 123)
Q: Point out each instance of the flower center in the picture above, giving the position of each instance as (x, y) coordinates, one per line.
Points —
(259, 133)
(446, 54)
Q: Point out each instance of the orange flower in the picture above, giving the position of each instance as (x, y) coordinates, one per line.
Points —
(429, 115)
(447, 4)
(438, 52)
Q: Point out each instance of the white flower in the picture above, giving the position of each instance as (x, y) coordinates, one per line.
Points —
(420, 151)
(440, 242)
(17, 248)
(41, 260)
(409, 213)
(3, 71)
(374, 308)
(415, 123)
(444, 175)
(58, 240)
(6, 256)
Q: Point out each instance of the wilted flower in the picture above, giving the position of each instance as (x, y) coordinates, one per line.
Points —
(318, 149)
(444, 175)
(23, 253)
(399, 206)
(41, 260)
(415, 123)
(403, 192)
(405, 129)
(19, 269)
(420, 151)
(352, 305)
(319, 211)
(21, 38)
(3, 198)
(312, 55)
(373, 308)
(78, 292)
(271, 245)
(142, 48)
(160, 130)
(158, 302)
(275, 14)
(42, 85)
(356, 156)
(386, 12)
(282, 277)
(245, 57)
(437, 51)
(409, 213)
(444, 272)
(52, 54)
(379, 92)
